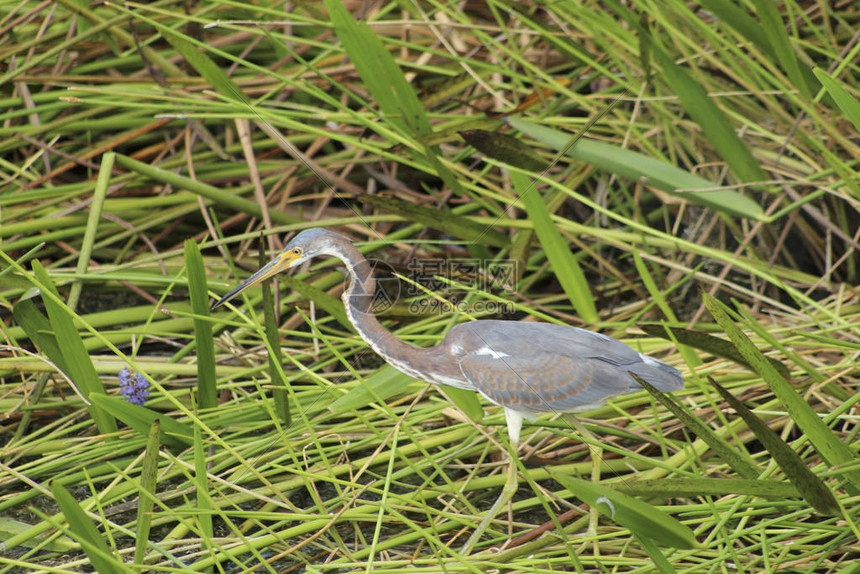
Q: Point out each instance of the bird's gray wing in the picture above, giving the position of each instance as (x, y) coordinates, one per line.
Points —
(553, 367)
(581, 344)
(543, 382)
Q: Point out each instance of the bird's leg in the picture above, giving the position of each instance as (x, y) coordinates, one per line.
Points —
(515, 423)
(508, 490)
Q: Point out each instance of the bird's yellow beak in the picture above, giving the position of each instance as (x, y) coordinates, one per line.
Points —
(280, 263)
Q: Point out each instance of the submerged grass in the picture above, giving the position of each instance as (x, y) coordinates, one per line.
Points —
(722, 166)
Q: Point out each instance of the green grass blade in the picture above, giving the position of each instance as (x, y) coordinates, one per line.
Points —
(714, 123)
(848, 104)
(9, 528)
(465, 400)
(382, 384)
(88, 19)
(80, 366)
(833, 450)
(445, 90)
(382, 77)
(769, 36)
(733, 15)
(709, 344)
(226, 199)
(173, 433)
(564, 263)
(331, 305)
(657, 557)
(270, 317)
(777, 36)
(395, 96)
(93, 218)
(813, 490)
(639, 167)
(198, 59)
(146, 493)
(85, 532)
(38, 329)
(204, 503)
(443, 220)
(695, 487)
(207, 388)
(740, 461)
(504, 147)
(640, 518)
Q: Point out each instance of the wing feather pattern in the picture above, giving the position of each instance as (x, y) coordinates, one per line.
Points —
(540, 367)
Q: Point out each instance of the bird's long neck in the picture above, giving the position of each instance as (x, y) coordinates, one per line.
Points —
(358, 300)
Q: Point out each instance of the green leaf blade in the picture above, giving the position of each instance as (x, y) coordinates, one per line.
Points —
(564, 263)
(207, 391)
(38, 329)
(270, 319)
(173, 433)
(640, 518)
(444, 221)
(709, 344)
(813, 490)
(148, 487)
(740, 461)
(714, 123)
(639, 167)
(383, 77)
(83, 529)
(781, 46)
(382, 384)
(848, 104)
(80, 367)
(826, 443)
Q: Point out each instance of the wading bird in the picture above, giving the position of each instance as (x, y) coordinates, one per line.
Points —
(526, 368)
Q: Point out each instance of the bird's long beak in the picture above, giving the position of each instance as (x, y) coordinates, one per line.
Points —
(280, 263)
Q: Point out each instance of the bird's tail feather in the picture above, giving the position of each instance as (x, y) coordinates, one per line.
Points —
(663, 377)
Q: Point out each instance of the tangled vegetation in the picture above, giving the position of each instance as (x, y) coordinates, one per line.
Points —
(679, 175)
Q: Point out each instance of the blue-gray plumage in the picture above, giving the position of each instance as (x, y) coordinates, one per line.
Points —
(540, 367)
(526, 368)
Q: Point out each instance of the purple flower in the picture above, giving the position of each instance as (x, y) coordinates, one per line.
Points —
(134, 386)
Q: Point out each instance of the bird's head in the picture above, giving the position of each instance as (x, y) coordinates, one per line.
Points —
(304, 246)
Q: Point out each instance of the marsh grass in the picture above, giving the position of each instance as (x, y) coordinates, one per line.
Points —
(726, 164)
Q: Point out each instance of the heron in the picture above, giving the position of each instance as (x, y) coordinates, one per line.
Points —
(527, 368)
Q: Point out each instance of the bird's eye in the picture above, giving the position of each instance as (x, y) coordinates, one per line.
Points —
(297, 251)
